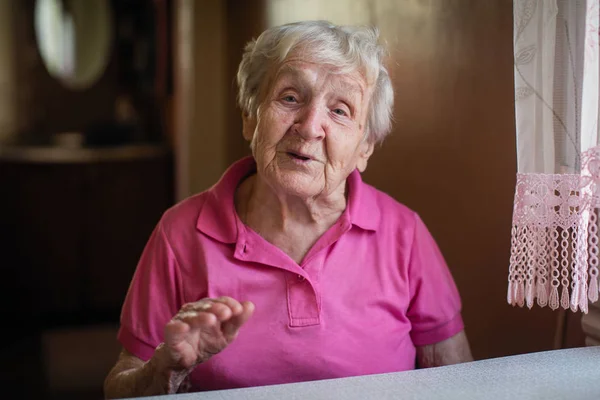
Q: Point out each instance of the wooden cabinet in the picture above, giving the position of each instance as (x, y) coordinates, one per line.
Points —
(73, 224)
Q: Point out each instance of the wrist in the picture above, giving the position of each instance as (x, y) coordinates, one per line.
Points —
(166, 375)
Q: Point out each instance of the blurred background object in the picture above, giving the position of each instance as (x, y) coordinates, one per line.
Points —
(74, 39)
(85, 174)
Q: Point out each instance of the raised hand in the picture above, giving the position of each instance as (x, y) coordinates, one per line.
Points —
(202, 329)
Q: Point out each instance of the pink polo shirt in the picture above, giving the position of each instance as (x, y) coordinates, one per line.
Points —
(373, 287)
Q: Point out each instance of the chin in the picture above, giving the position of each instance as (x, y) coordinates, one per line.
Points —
(299, 186)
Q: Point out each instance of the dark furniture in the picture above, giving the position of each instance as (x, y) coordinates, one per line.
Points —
(73, 223)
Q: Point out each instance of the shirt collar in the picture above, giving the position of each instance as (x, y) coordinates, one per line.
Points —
(218, 218)
(363, 208)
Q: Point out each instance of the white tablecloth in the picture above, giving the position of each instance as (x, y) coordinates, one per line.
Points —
(571, 374)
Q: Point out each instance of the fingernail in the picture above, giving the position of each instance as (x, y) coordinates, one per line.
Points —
(188, 314)
(202, 306)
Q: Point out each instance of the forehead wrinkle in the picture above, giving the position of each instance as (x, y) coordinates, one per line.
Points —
(348, 89)
(299, 74)
(344, 83)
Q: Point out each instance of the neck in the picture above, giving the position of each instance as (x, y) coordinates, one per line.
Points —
(260, 202)
(291, 223)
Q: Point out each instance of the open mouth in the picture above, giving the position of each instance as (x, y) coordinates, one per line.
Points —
(298, 156)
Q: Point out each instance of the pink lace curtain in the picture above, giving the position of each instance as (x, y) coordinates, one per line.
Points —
(554, 248)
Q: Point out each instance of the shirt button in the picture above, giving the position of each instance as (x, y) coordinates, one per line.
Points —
(301, 278)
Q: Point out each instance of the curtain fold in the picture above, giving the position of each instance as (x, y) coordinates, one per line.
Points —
(554, 237)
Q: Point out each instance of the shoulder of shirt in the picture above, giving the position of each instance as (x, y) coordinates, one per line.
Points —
(184, 214)
(391, 210)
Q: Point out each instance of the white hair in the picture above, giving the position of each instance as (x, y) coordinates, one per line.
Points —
(347, 48)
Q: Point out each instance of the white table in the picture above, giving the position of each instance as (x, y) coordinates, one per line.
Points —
(571, 374)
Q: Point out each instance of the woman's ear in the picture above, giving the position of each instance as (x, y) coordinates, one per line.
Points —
(367, 148)
(249, 126)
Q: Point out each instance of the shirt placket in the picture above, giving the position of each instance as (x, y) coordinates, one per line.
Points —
(301, 281)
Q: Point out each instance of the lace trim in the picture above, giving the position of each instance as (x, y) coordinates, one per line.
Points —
(554, 238)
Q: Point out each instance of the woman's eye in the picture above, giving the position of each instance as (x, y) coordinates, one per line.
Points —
(289, 99)
(340, 112)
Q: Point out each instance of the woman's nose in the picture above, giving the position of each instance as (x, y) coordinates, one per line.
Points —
(311, 122)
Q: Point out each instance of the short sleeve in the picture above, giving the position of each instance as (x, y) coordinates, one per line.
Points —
(435, 305)
(152, 299)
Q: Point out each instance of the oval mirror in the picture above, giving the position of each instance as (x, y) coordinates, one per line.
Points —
(74, 39)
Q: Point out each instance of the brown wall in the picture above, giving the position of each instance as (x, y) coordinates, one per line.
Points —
(208, 42)
(254, 16)
(451, 156)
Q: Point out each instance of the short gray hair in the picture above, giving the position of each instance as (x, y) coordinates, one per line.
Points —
(348, 48)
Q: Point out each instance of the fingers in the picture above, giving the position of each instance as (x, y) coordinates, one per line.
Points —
(233, 325)
(234, 305)
(209, 314)
(223, 308)
(175, 332)
(204, 328)
(191, 317)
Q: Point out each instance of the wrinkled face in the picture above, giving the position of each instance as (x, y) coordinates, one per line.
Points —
(308, 135)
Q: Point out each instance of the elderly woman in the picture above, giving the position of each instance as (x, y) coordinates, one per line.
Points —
(291, 268)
